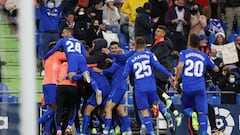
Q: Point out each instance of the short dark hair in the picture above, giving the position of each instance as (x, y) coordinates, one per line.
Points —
(162, 27)
(114, 43)
(71, 30)
(70, 13)
(140, 42)
(194, 40)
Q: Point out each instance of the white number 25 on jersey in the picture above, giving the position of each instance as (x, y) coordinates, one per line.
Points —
(193, 68)
(143, 69)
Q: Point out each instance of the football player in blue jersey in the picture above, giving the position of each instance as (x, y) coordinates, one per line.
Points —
(191, 67)
(119, 87)
(142, 65)
(75, 53)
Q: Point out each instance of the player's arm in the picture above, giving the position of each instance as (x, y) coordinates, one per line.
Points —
(112, 69)
(118, 56)
(127, 70)
(54, 49)
(212, 65)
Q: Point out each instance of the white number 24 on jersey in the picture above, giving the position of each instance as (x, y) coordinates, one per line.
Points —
(193, 68)
(73, 46)
(143, 69)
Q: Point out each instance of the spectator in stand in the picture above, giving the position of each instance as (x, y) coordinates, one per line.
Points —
(159, 9)
(111, 16)
(144, 23)
(212, 10)
(129, 7)
(49, 20)
(220, 39)
(81, 20)
(232, 9)
(69, 22)
(237, 43)
(95, 11)
(219, 62)
(198, 21)
(190, 3)
(202, 2)
(94, 32)
(229, 82)
(83, 3)
(204, 46)
(213, 13)
(178, 22)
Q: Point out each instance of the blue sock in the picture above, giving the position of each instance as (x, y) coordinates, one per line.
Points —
(161, 107)
(47, 115)
(86, 120)
(202, 118)
(48, 126)
(108, 123)
(148, 124)
(188, 111)
(126, 123)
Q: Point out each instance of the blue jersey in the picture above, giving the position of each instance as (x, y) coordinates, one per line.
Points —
(195, 63)
(70, 45)
(142, 65)
(49, 19)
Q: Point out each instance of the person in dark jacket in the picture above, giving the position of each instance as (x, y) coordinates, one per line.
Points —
(144, 23)
(162, 48)
(69, 22)
(159, 9)
(96, 55)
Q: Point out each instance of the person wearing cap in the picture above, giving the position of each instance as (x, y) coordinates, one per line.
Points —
(111, 16)
(144, 23)
(220, 39)
(204, 47)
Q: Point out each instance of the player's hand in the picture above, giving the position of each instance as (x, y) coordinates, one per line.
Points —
(98, 70)
(175, 84)
(105, 50)
(61, 79)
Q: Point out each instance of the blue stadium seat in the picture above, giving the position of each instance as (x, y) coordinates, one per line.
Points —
(130, 102)
(123, 42)
(3, 87)
(37, 13)
(213, 99)
(238, 99)
(10, 99)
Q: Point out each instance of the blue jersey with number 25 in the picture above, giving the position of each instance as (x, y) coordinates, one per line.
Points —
(142, 65)
(195, 63)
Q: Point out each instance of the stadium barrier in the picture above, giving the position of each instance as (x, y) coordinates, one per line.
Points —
(227, 116)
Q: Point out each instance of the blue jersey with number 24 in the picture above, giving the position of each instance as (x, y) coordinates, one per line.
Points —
(195, 63)
(70, 45)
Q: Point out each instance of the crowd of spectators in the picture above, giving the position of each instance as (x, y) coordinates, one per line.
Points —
(92, 19)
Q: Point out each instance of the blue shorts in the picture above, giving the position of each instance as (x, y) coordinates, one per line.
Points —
(49, 92)
(76, 63)
(117, 96)
(145, 100)
(196, 99)
(103, 85)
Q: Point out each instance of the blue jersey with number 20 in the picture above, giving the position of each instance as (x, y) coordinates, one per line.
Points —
(195, 63)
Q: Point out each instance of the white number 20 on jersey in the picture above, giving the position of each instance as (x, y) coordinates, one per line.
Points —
(143, 69)
(73, 47)
(193, 68)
